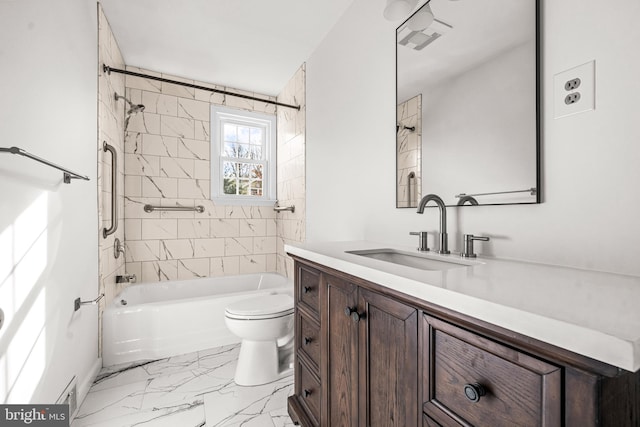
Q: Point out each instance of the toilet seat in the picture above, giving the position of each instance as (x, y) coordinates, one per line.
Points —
(264, 307)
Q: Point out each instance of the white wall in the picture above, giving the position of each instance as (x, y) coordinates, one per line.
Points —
(479, 132)
(589, 217)
(48, 230)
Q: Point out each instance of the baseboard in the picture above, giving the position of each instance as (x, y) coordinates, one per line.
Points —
(85, 385)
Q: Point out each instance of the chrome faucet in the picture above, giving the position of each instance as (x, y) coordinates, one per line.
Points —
(444, 239)
(126, 278)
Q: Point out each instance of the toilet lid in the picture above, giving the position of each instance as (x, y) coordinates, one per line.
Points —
(261, 307)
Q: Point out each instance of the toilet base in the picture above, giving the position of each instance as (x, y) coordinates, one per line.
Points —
(262, 362)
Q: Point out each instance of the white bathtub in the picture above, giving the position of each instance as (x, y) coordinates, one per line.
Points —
(169, 318)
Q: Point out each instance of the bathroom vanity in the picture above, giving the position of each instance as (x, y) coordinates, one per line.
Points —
(477, 343)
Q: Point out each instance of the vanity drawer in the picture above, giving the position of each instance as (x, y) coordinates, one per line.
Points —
(308, 288)
(476, 381)
(308, 339)
(429, 422)
(309, 391)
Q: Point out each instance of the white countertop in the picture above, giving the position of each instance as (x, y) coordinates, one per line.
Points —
(590, 313)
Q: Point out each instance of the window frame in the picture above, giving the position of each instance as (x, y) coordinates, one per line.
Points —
(221, 115)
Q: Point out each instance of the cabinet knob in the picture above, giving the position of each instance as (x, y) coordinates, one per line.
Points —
(474, 391)
(307, 289)
(307, 340)
(353, 313)
(307, 392)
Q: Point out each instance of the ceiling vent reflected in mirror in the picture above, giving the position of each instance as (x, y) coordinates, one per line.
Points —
(416, 38)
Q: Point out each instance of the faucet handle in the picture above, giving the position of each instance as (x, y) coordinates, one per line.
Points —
(422, 240)
(467, 242)
(118, 248)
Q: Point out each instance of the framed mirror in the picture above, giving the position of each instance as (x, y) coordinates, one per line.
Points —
(467, 123)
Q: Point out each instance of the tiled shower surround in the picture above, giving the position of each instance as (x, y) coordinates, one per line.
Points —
(164, 158)
(409, 152)
(291, 168)
(167, 162)
(110, 130)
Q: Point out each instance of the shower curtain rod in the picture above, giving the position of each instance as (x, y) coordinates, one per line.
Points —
(110, 70)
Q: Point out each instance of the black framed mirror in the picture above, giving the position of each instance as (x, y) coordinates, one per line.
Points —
(468, 103)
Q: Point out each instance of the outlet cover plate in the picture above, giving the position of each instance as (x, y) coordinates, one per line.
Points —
(587, 89)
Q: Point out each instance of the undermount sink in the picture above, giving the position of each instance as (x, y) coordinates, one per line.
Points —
(419, 260)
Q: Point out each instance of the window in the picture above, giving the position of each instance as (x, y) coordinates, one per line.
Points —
(243, 156)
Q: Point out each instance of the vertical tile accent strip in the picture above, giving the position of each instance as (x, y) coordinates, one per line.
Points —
(290, 227)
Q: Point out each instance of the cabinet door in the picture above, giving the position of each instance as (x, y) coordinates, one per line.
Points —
(341, 384)
(388, 362)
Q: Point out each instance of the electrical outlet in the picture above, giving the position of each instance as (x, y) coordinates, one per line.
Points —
(572, 98)
(567, 100)
(572, 84)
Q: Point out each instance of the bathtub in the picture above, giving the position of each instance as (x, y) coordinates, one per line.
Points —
(157, 320)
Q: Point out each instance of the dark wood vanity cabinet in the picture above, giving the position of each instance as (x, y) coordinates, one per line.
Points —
(372, 357)
(305, 405)
(369, 356)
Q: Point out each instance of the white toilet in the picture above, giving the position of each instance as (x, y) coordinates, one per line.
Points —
(265, 325)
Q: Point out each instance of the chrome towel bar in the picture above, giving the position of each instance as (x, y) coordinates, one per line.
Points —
(151, 208)
(532, 191)
(279, 208)
(411, 178)
(67, 174)
(114, 188)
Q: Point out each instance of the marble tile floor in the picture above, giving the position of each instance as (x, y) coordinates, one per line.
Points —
(191, 390)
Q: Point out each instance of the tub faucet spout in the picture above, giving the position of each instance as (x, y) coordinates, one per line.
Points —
(126, 278)
(444, 239)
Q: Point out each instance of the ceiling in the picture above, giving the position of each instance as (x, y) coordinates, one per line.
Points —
(255, 45)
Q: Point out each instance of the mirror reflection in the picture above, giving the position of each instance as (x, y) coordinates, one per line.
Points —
(466, 123)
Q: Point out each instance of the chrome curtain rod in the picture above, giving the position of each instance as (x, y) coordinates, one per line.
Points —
(151, 208)
(67, 174)
(110, 70)
(532, 191)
